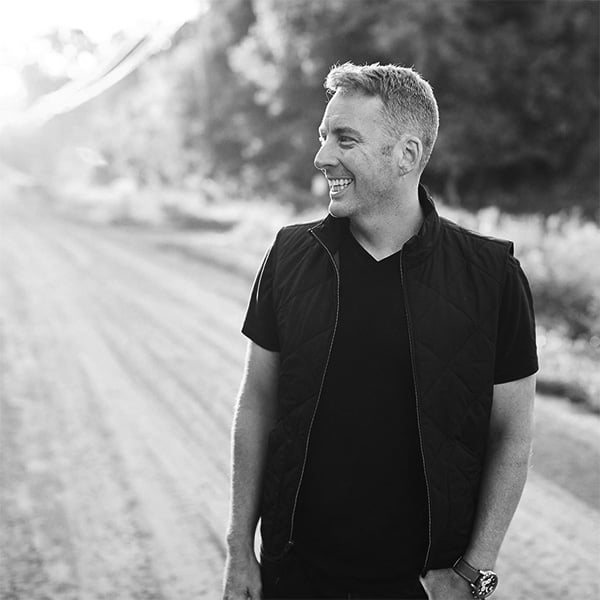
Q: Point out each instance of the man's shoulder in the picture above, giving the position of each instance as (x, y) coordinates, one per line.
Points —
(486, 254)
(296, 234)
(300, 227)
(474, 240)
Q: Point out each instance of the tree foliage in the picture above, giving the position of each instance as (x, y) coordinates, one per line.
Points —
(517, 84)
(238, 97)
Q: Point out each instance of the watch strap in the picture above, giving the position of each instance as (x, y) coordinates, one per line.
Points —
(466, 571)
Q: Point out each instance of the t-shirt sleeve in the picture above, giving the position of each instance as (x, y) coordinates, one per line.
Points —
(260, 324)
(516, 352)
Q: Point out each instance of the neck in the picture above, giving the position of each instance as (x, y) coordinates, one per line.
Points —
(385, 232)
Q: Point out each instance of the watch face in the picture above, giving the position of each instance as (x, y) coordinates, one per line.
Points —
(486, 584)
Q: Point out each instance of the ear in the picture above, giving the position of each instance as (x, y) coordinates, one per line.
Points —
(409, 151)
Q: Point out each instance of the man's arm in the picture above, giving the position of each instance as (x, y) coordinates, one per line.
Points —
(506, 466)
(504, 475)
(255, 416)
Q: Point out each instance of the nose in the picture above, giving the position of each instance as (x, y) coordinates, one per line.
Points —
(325, 156)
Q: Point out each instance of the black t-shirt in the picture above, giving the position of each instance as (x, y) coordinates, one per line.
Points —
(362, 508)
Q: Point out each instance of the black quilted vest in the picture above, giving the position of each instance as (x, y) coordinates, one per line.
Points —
(452, 282)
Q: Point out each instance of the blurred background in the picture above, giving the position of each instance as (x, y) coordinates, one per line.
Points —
(149, 151)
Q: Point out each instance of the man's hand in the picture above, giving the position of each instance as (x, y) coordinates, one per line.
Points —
(445, 584)
(242, 577)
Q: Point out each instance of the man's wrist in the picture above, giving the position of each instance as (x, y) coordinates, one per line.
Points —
(483, 582)
(239, 544)
(483, 558)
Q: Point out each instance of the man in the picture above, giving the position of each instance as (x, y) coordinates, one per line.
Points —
(383, 427)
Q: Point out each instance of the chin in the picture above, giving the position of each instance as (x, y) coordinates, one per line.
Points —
(338, 209)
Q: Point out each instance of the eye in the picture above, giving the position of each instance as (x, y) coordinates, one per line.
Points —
(345, 140)
(321, 139)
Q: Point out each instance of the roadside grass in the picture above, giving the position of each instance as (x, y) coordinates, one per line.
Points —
(560, 255)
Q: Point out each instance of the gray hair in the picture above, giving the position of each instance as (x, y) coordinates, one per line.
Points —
(409, 105)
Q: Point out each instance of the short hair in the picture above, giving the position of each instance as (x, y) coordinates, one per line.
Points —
(409, 105)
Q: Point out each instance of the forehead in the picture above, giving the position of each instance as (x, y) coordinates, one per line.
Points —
(355, 110)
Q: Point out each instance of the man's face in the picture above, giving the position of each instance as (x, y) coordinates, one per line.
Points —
(356, 156)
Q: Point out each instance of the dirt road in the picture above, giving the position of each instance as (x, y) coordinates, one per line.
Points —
(119, 365)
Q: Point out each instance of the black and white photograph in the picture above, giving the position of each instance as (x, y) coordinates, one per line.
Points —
(300, 299)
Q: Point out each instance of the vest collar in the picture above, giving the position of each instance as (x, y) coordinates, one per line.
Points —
(331, 230)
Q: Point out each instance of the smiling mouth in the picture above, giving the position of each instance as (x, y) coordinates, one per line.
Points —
(338, 185)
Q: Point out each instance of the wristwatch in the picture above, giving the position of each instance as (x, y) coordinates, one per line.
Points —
(483, 583)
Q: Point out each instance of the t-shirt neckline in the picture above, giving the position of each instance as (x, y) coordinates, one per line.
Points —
(367, 255)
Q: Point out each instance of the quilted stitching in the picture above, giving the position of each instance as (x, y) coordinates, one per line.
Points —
(469, 260)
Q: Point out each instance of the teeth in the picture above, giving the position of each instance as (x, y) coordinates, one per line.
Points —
(340, 183)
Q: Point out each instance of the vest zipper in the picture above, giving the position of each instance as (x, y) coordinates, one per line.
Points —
(337, 314)
(414, 374)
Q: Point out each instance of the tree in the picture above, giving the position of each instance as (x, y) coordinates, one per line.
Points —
(517, 84)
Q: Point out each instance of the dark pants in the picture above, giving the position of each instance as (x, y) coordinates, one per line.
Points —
(293, 577)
